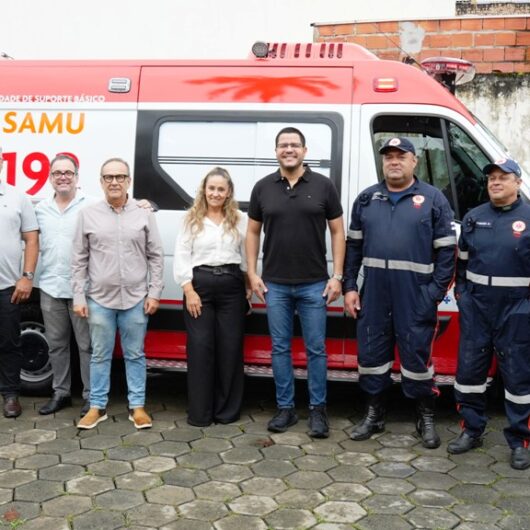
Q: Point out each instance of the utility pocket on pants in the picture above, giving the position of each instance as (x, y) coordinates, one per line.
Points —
(374, 342)
(426, 308)
(519, 323)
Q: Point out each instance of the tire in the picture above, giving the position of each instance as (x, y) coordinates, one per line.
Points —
(36, 375)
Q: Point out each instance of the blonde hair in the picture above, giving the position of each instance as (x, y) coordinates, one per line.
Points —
(194, 219)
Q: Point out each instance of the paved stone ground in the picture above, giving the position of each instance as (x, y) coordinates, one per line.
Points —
(239, 476)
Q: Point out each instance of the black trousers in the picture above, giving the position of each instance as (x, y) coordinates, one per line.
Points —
(10, 352)
(215, 347)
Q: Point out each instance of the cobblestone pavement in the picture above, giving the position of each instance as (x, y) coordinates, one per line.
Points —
(239, 476)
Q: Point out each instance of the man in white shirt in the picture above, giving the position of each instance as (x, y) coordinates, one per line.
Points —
(57, 218)
(18, 224)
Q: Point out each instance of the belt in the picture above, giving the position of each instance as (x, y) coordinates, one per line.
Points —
(230, 268)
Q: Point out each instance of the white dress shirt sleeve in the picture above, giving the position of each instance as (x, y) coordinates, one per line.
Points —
(182, 260)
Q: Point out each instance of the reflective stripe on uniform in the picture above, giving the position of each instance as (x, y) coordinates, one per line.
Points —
(520, 400)
(375, 370)
(498, 281)
(398, 265)
(502, 281)
(355, 234)
(418, 376)
(477, 278)
(410, 266)
(446, 241)
(463, 254)
(471, 389)
(374, 262)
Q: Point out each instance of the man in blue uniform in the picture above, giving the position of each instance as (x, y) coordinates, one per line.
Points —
(492, 289)
(401, 232)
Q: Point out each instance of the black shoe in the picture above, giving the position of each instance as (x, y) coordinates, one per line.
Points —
(55, 404)
(463, 444)
(194, 423)
(373, 421)
(425, 423)
(12, 407)
(85, 408)
(520, 458)
(282, 420)
(318, 422)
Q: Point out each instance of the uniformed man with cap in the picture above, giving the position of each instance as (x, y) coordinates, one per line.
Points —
(401, 232)
(492, 290)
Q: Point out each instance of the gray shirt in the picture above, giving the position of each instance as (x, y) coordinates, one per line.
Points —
(16, 216)
(118, 257)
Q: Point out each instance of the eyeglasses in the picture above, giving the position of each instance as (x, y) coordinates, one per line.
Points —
(292, 145)
(58, 174)
(119, 178)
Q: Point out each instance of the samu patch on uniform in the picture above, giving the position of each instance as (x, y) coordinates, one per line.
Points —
(418, 200)
(518, 228)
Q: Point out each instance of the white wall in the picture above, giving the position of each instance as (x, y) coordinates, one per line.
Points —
(502, 103)
(63, 29)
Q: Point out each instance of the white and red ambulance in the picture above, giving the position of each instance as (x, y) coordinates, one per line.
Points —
(174, 120)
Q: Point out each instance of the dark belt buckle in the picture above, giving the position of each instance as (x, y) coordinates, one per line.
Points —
(217, 271)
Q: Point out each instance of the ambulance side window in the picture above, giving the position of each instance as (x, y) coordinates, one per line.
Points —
(467, 163)
(448, 157)
(176, 150)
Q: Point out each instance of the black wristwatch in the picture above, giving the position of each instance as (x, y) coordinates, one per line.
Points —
(28, 275)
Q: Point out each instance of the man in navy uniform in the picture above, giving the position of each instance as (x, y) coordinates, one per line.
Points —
(492, 289)
(401, 232)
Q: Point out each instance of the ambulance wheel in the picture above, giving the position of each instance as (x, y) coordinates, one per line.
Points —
(36, 374)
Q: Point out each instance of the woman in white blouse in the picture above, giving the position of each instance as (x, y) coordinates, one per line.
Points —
(210, 265)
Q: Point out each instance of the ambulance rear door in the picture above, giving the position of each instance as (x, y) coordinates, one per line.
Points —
(85, 109)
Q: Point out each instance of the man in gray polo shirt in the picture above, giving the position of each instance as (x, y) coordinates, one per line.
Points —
(19, 224)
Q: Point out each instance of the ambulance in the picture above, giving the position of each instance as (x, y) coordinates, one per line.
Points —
(175, 120)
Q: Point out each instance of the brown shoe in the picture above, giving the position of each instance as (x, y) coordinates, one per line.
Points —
(140, 418)
(92, 418)
(12, 407)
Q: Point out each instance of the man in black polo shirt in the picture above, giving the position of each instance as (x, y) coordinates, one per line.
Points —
(294, 205)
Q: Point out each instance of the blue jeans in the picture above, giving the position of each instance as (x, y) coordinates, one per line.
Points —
(307, 300)
(132, 325)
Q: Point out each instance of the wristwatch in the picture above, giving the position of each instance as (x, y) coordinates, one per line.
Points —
(339, 277)
(28, 275)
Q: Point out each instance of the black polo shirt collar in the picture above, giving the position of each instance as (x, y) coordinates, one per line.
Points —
(305, 176)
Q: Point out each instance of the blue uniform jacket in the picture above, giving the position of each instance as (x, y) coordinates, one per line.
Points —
(417, 235)
(494, 246)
